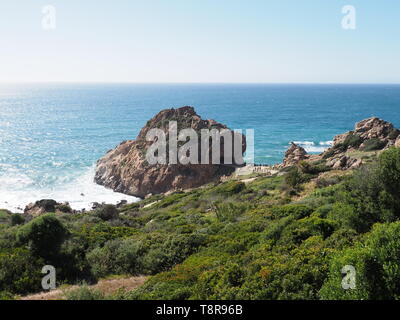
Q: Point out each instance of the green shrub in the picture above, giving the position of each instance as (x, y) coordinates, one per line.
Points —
(230, 188)
(44, 235)
(107, 212)
(394, 134)
(20, 271)
(312, 167)
(373, 144)
(389, 171)
(116, 257)
(377, 264)
(172, 252)
(229, 211)
(5, 216)
(84, 293)
(17, 219)
(326, 182)
(293, 180)
(352, 140)
(296, 211)
(4, 295)
(65, 208)
(305, 228)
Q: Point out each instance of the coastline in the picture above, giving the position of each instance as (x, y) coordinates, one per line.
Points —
(80, 193)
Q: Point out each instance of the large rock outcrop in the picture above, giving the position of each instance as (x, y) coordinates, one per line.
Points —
(125, 168)
(368, 131)
(372, 134)
(294, 154)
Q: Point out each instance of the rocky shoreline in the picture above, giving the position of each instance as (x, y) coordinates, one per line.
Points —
(124, 169)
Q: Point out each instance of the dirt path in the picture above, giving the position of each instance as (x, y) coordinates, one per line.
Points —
(107, 287)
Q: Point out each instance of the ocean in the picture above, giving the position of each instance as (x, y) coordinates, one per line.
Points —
(51, 135)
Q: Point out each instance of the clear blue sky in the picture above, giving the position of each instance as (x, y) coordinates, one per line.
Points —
(200, 41)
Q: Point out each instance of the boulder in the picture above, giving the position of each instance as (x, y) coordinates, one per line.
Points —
(344, 162)
(294, 154)
(46, 205)
(126, 170)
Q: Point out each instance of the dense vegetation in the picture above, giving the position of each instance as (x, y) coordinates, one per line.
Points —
(281, 237)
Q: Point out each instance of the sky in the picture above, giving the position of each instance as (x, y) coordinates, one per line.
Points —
(211, 41)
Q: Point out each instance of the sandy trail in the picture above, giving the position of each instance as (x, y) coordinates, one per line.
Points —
(107, 287)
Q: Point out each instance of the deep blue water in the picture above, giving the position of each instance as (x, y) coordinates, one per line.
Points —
(51, 135)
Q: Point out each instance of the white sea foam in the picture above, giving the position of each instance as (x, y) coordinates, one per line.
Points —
(16, 191)
(326, 143)
(312, 147)
(315, 149)
(304, 143)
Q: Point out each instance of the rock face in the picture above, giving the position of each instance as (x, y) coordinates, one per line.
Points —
(344, 162)
(369, 135)
(366, 130)
(294, 154)
(125, 168)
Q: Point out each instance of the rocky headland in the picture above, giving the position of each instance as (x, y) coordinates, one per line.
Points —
(125, 169)
(369, 135)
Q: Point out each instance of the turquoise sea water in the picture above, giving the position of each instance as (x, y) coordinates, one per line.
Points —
(52, 135)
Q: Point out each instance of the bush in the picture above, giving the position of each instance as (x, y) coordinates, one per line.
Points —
(313, 168)
(173, 251)
(305, 228)
(4, 295)
(17, 219)
(5, 216)
(373, 144)
(84, 293)
(293, 180)
(352, 140)
(44, 235)
(296, 211)
(65, 208)
(107, 212)
(389, 171)
(116, 257)
(377, 264)
(230, 188)
(20, 271)
(374, 192)
(229, 211)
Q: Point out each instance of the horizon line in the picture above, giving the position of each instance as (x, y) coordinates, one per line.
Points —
(198, 83)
